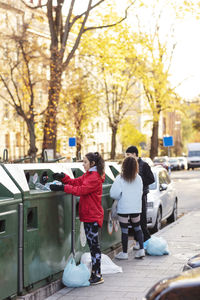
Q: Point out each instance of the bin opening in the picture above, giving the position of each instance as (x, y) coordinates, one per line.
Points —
(114, 171)
(40, 177)
(2, 226)
(4, 192)
(27, 174)
(77, 172)
(32, 218)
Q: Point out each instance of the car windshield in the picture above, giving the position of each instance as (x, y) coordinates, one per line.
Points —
(173, 160)
(153, 186)
(194, 153)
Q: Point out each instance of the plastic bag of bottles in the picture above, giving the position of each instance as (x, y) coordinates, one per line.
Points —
(75, 276)
(156, 246)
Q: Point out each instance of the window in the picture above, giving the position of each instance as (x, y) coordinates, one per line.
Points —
(193, 153)
(18, 139)
(7, 140)
(6, 111)
(163, 177)
(153, 186)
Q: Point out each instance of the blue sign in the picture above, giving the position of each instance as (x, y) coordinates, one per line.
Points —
(168, 141)
(72, 141)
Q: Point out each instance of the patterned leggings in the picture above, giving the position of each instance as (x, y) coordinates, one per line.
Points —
(91, 232)
(124, 222)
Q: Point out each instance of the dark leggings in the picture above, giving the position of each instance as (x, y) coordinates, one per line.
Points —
(124, 222)
(91, 232)
(143, 218)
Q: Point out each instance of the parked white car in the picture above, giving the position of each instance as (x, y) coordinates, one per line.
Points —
(148, 160)
(183, 162)
(162, 201)
(174, 163)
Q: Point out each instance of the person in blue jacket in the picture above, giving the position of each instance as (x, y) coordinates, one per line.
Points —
(127, 189)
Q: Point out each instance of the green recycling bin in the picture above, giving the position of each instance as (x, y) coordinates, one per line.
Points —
(78, 236)
(114, 167)
(111, 232)
(47, 232)
(10, 201)
(110, 236)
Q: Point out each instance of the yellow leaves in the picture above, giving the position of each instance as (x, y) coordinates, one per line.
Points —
(40, 18)
(129, 135)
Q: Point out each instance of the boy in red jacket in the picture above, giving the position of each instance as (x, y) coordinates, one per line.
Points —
(89, 188)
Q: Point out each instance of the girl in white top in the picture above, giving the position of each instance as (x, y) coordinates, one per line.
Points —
(127, 189)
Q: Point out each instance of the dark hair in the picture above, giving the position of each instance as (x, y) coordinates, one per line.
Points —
(132, 149)
(129, 168)
(98, 160)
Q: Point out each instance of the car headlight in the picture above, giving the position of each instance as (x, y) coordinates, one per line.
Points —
(150, 204)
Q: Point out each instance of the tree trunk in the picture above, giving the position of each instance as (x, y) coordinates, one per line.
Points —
(50, 127)
(32, 144)
(113, 142)
(78, 149)
(79, 140)
(154, 140)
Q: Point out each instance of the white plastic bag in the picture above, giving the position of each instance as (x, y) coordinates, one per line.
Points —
(107, 265)
(75, 276)
(157, 246)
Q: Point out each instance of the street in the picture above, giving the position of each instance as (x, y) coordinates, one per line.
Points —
(188, 190)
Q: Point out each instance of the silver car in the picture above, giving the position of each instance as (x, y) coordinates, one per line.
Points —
(162, 201)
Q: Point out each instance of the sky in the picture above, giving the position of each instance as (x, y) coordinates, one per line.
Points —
(185, 67)
(186, 62)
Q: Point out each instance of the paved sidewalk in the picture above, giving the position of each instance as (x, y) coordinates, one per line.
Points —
(183, 238)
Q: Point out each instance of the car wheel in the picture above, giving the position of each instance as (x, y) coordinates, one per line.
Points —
(158, 223)
(173, 216)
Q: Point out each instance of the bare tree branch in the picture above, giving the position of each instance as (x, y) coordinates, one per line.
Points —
(67, 25)
(33, 7)
(15, 105)
(111, 25)
(65, 64)
(79, 16)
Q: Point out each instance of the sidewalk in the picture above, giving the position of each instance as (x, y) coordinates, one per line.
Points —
(183, 238)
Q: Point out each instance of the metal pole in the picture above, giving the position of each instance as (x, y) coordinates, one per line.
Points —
(73, 225)
(20, 249)
(168, 151)
(169, 168)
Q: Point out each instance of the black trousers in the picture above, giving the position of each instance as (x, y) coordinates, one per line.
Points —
(143, 218)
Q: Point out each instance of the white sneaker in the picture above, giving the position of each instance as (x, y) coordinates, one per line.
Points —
(137, 246)
(140, 253)
(122, 255)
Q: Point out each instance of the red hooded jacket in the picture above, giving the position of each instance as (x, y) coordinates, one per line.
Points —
(89, 188)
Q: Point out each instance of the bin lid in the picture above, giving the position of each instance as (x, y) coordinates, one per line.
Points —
(18, 172)
(79, 165)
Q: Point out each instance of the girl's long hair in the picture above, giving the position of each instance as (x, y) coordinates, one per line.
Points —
(99, 161)
(129, 168)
